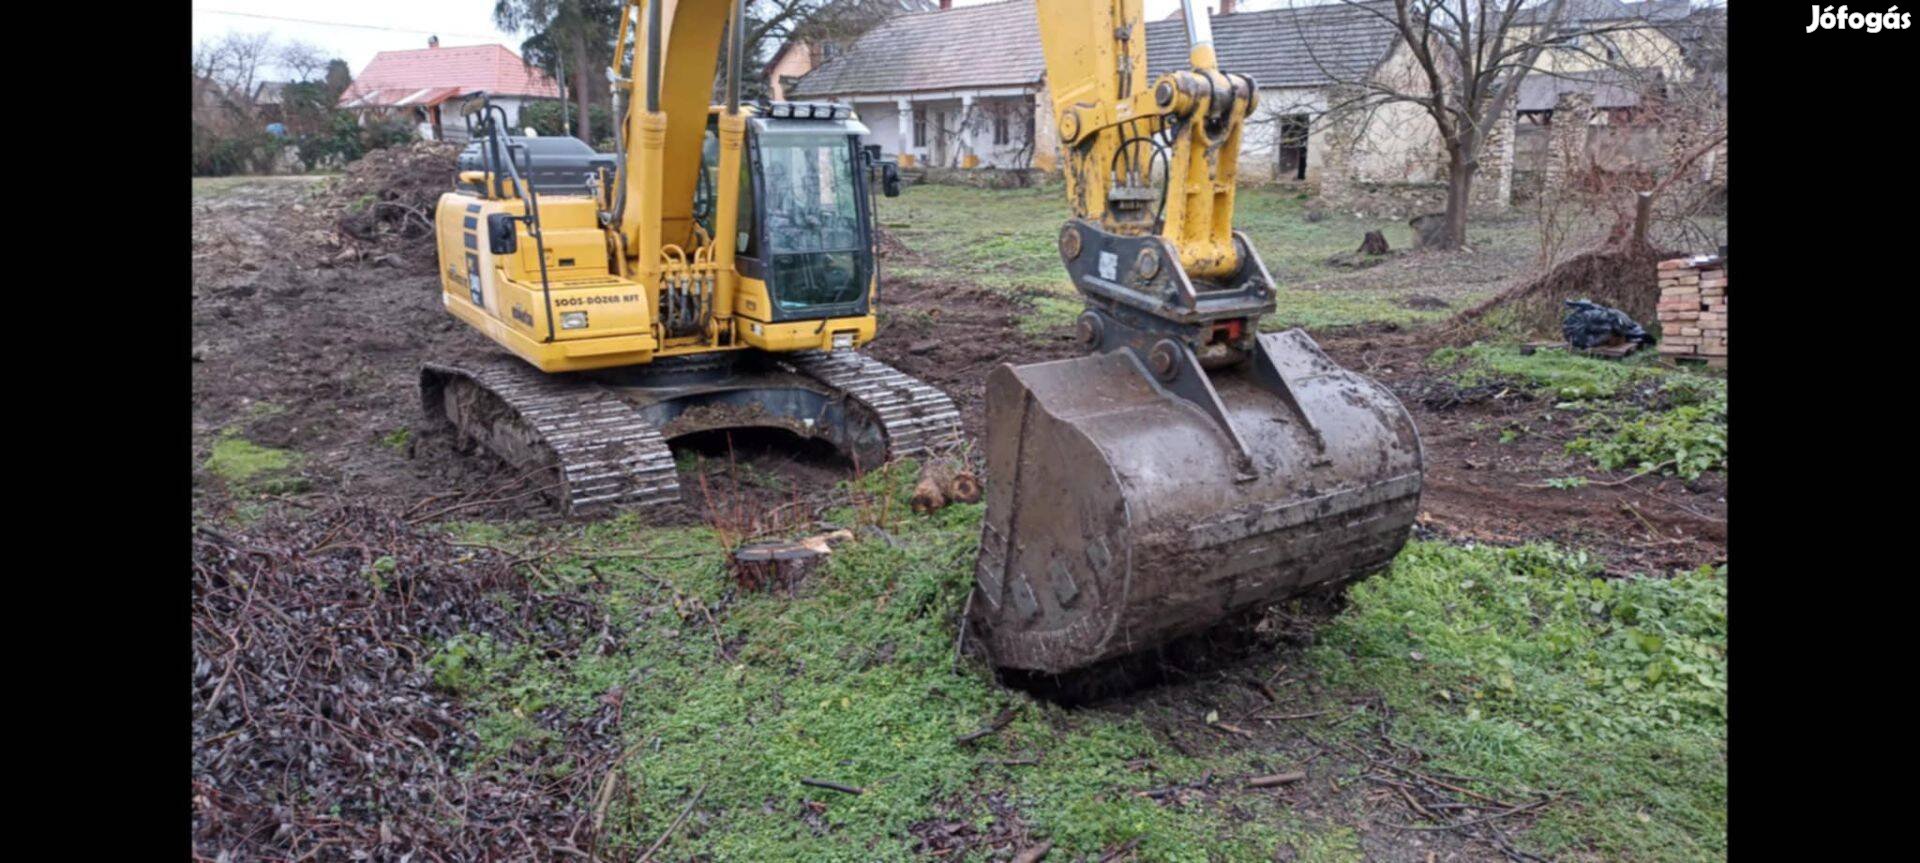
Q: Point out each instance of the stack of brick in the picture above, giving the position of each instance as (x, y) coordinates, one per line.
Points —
(1693, 309)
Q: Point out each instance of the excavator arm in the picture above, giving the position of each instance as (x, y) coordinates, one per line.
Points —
(1189, 467)
(1142, 160)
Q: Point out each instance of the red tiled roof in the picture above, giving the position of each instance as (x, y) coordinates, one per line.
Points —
(398, 77)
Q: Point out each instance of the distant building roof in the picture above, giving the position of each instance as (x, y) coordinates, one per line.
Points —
(1308, 46)
(995, 44)
(998, 44)
(423, 76)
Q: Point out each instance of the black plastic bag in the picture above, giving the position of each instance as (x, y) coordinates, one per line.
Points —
(1591, 325)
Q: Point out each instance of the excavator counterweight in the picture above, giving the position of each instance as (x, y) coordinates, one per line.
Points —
(1189, 466)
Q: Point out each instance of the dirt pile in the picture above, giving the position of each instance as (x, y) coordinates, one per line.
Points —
(319, 727)
(1622, 278)
(384, 205)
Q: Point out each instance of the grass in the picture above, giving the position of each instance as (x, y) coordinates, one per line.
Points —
(1555, 374)
(1552, 679)
(852, 682)
(398, 439)
(247, 466)
(1006, 240)
(209, 188)
(1527, 669)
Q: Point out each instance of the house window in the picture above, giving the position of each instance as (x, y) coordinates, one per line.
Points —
(1002, 133)
(919, 126)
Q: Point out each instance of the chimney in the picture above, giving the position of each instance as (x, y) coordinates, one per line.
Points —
(945, 5)
(1226, 7)
(433, 41)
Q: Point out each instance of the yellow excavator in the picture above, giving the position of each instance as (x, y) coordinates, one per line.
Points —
(718, 272)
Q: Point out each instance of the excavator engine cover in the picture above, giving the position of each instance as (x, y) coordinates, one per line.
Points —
(1120, 516)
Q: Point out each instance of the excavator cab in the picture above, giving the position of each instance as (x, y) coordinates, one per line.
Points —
(805, 215)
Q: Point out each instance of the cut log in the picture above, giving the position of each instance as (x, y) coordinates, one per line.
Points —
(963, 487)
(929, 493)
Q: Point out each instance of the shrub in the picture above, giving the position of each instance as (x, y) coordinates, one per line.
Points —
(545, 118)
(1687, 440)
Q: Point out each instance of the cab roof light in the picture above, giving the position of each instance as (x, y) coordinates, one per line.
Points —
(810, 110)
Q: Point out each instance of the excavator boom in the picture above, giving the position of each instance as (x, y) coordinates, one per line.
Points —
(1189, 466)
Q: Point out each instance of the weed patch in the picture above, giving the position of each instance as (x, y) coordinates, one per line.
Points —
(1525, 668)
(854, 681)
(1556, 374)
(1687, 440)
(1642, 417)
(243, 464)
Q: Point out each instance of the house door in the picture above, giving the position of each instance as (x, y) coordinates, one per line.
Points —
(1293, 148)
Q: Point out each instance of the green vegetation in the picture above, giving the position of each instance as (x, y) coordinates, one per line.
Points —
(1552, 678)
(397, 439)
(1686, 440)
(1005, 240)
(1642, 416)
(247, 466)
(1525, 668)
(1556, 374)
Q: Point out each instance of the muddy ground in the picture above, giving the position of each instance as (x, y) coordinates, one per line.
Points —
(296, 352)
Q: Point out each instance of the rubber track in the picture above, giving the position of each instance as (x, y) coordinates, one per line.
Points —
(917, 418)
(608, 455)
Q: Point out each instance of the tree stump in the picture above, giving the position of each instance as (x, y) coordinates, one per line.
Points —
(1374, 244)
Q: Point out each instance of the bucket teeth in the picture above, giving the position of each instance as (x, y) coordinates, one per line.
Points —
(1120, 516)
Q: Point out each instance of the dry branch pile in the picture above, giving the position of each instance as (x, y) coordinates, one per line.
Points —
(317, 727)
(384, 205)
(1618, 277)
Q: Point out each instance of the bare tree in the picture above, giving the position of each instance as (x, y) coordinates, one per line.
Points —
(301, 61)
(1465, 60)
(1671, 177)
(233, 62)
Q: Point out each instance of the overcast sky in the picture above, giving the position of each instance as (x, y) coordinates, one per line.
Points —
(357, 29)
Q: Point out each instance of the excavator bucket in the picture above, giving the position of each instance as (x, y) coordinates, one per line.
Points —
(1121, 515)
